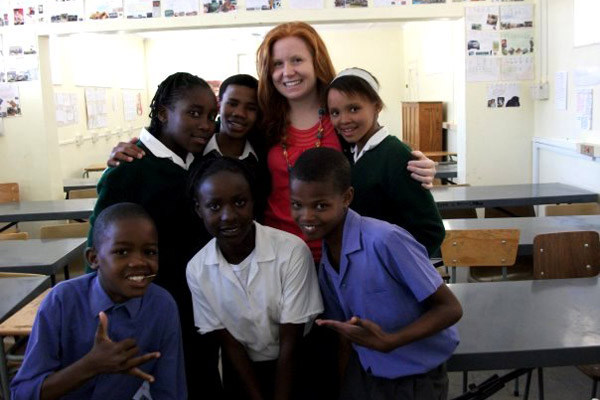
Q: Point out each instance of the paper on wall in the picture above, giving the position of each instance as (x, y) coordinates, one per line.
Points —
(560, 90)
(104, 9)
(583, 108)
(385, 3)
(65, 10)
(517, 68)
(214, 6)
(96, 108)
(305, 4)
(503, 95)
(482, 18)
(350, 3)
(180, 8)
(482, 43)
(136, 9)
(516, 16)
(483, 69)
(66, 109)
(262, 4)
(10, 102)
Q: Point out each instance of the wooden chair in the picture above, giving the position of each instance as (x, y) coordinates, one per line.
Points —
(60, 231)
(14, 236)
(83, 194)
(9, 192)
(567, 255)
(573, 209)
(480, 248)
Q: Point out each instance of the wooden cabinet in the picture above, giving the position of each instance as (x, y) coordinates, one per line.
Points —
(422, 125)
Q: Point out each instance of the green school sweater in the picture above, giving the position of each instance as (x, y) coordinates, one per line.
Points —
(384, 190)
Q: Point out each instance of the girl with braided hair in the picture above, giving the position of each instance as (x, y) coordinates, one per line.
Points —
(182, 115)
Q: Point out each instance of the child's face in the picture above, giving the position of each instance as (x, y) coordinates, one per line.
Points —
(189, 123)
(224, 202)
(292, 69)
(125, 258)
(318, 208)
(239, 110)
(353, 116)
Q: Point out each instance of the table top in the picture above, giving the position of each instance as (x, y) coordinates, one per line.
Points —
(79, 183)
(39, 256)
(541, 323)
(453, 197)
(446, 171)
(529, 226)
(95, 167)
(46, 210)
(440, 153)
(18, 291)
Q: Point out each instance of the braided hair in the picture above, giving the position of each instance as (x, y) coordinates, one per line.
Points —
(170, 91)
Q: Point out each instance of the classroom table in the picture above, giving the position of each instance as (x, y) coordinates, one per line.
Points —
(45, 211)
(14, 294)
(529, 226)
(527, 324)
(79, 183)
(40, 256)
(446, 171)
(453, 197)
(93, 168)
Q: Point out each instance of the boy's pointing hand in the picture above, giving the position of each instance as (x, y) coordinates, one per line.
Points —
(361, 332)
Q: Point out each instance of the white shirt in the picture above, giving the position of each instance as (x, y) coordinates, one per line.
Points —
(373, 142)
(282, 288)
(214, 145)
(159, 150)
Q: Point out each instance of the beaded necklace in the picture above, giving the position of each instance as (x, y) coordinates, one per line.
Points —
(317, 143)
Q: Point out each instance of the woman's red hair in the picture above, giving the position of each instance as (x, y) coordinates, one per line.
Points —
(273, 104)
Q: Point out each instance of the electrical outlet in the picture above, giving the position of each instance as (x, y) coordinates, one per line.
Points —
(78, 139)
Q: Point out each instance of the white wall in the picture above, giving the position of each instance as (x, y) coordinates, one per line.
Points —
(560, 124)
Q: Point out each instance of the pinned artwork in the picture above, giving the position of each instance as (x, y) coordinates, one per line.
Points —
(10, 103)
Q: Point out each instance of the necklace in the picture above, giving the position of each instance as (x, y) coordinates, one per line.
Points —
(319, 136)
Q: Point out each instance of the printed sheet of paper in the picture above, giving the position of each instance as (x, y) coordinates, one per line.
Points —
(305, 4)
(252, 5)
(387, 3)
(516, 16)
(214, 6)
(140, 9)
(350, 3)
(589, 76)
(482, 18)
(25, 68)
(583, 108)
(66, 109)
(103, 9)
(483, 69)
(132, 105)
(503, 95)
(561, 79)
(6, 13)
(180, 8)
(517, 68)
(96, 108)
(428, 1)
(27, 12)
(10, 102)
(482, 43)
(516, 43)
(65, 10)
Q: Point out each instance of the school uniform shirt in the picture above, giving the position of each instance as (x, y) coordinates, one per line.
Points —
(65, 328)
(385, 276)
(281, 288)
(384, 189)
(278, 213)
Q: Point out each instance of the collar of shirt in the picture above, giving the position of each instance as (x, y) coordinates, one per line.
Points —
(213, 145)
(373, 142)
(161, 151)
(350, 241)
(263, 251)
(99, 301)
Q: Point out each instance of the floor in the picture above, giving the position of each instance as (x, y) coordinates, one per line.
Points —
(561, 383)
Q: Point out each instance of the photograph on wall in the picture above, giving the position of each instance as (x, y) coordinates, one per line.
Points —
(180, 8)
(27, 12)
(350, 3)
(516, 16)
(65, 10)
(482, 18)
(66, 109)
(253, 5)
(428, 1)
(305, 4)
(219, 6)
(104, 9)
(137, 9)
(483, 44)
(503, 95)
(517, 43)
(10, 103)
(386, 3)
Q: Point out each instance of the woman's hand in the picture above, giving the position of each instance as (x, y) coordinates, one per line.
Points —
(422, 169)
(125, 151)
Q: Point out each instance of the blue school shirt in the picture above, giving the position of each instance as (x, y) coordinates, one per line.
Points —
(385, 275)
(65, 328)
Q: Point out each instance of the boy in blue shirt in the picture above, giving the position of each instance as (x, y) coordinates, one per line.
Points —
(379, 289)
(75, 353)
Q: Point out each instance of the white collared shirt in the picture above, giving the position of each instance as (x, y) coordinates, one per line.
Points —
(373, 142)
(282, 288)
(159, 150)
(214, 145)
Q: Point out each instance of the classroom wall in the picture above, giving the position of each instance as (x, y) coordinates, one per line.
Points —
(560, 125)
